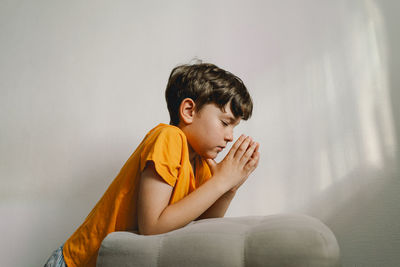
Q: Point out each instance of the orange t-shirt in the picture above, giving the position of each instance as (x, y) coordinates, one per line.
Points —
(167, 147)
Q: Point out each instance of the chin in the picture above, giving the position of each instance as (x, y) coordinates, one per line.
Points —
(210, 155)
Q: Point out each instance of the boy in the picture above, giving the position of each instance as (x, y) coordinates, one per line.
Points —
(172, 179)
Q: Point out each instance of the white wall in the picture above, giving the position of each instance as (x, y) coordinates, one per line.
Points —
(81, 82)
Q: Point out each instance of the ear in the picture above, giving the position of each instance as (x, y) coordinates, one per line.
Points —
(187, 110)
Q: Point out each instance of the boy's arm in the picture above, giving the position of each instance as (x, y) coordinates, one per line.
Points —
(219, 208)
(155, 216)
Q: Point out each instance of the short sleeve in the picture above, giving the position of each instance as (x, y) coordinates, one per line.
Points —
(164, 148)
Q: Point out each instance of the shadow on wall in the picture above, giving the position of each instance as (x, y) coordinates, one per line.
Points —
(326, 111)
(359, 174)
(361, 131)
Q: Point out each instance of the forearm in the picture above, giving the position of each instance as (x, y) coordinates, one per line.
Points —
(156, 216)
(219, 208)
(187, 209)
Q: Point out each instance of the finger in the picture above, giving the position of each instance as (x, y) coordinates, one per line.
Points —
(249, 152)
(253, 162)
(255, 150)
(250, 166)
(257, 159)
(235, 146)
(242, 148)
(258, 146)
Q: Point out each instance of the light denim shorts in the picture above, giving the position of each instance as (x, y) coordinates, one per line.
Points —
(56, 259)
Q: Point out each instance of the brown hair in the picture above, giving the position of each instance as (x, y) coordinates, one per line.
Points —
(206, 83)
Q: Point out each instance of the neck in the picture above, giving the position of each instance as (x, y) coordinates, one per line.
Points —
(192, 153)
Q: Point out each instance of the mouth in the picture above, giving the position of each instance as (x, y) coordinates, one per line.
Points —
(220, 148)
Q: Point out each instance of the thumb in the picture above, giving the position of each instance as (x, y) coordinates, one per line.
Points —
(212, 164)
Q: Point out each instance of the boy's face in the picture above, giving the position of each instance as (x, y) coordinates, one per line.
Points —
(210, 130)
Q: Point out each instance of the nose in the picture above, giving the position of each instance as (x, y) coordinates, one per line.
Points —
(229, 135)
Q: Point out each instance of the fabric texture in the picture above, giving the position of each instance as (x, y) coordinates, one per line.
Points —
(56, 259)
(166, 146)
(283, 240)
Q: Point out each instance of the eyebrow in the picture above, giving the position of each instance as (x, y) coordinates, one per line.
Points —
(231, 119)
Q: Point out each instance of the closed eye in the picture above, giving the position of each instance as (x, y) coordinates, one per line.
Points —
(224, 123)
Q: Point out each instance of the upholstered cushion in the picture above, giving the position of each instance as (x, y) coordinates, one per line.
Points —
(276, 240)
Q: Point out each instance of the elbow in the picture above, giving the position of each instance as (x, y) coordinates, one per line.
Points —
(145, 231)
(150, 230)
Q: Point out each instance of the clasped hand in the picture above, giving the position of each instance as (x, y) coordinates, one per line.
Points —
(238, 164)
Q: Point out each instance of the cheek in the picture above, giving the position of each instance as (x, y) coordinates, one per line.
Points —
(216, 124)
(213, 128)
(216, 134)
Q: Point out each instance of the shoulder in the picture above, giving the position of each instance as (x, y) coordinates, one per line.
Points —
(168, 129)
(166, 132)
(165, 139)
(163, 146)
